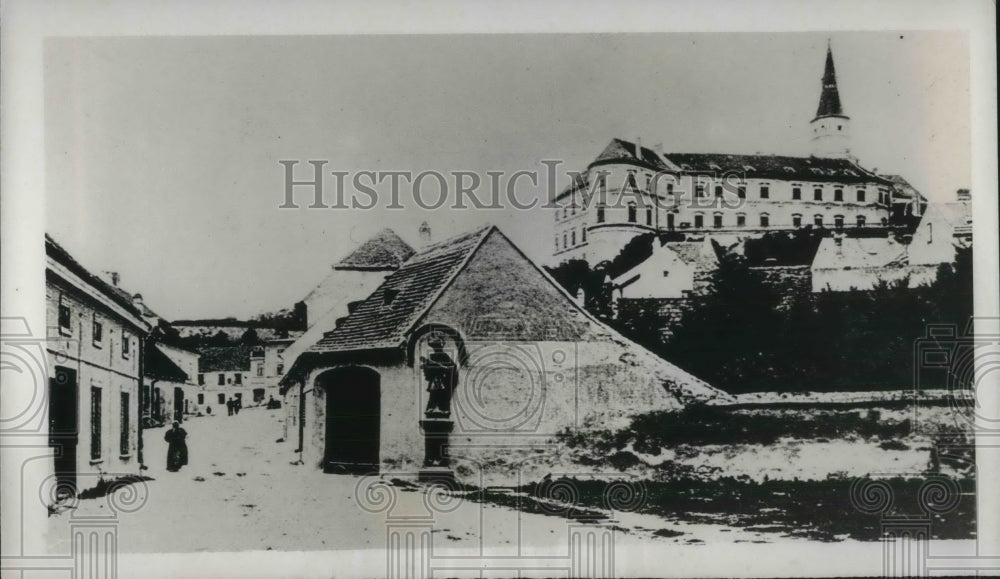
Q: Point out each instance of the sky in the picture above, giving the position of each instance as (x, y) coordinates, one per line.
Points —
(162, 153)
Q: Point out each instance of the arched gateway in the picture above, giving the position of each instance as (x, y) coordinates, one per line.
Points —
(353, 411)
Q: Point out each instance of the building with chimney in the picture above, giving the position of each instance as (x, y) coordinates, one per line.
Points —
(629, 190)
(95, 369)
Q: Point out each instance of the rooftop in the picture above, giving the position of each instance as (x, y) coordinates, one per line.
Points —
(384, 251)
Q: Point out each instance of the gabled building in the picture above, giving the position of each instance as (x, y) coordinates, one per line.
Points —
(350, 280)
(629, 190)
(530, 362)
(675, 269)
(95, 364)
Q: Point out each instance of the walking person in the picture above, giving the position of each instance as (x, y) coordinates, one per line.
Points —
(237, 405)
(177, 450)
(229, 405)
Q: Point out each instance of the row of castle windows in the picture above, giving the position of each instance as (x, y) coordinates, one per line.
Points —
(569, 239)
(764, 192)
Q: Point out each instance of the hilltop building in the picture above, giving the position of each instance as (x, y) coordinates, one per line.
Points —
(646, 190)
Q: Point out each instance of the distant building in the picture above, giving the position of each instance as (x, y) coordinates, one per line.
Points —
(647, 190)
(675, 269)
(531, 362)
(846, 264)
(95, 356)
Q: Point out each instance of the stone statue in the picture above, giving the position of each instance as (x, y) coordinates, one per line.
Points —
(441, 374)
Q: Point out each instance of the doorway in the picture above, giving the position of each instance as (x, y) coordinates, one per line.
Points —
(353, 420)
(64, 427)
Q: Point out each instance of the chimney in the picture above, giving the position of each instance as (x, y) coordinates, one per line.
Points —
(658, 147)
(136, 299)
(638, 146)
(115, 278)
(425, 234)
(580, 297)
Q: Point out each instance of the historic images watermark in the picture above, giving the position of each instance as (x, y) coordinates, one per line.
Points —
(432, 190)
(93, 540)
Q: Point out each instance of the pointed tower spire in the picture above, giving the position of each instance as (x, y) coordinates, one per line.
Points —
(830, 127)
(829, 99)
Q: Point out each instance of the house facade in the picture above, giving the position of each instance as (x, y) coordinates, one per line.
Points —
(95, 360)
(629, 190)
(529, 362)
(675, 269)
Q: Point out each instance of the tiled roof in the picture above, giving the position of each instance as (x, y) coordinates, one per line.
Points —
(902, 190)
(385, 250)
(621, 150)
(857, 253)
(382, 320)
(776, 167)
(224, 359)
(690, 252)
(60, 255)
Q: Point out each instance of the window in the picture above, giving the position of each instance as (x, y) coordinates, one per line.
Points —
(838, 221)
(649, 182)
(260, 370)
(600, 214)
(741, 220)
(280, 370)
(222, 379)
(583, 235)
(126, 341)
(796, 220)
(741, 191)
(765, 220)
(838, 194)
(796, 193)
(670, 188)
(700, 189)
(125, 442)
(717, 220)
(818, 194)
(201, 379)
(95, 423)
(765, 191)
(818, 220)
(572, 237)
(222, 398)
(649, 216)
(258, 394)
(238, 377)
(631, 213)
(699, 220)
(861, 195)
(557, 243)
(201, 399)
(239, 396)
(718, 190)
(670, 221)
(565, 245)
(666, 273)
(65, 315)
(861, 220)
(98, 330)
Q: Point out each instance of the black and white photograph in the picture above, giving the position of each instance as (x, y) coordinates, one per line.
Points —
(391, 292)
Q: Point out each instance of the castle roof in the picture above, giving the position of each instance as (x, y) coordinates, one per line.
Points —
(782, 167)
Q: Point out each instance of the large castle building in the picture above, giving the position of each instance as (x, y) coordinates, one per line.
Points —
(629, 190)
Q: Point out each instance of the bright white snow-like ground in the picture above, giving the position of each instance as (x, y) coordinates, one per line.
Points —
(240, 492)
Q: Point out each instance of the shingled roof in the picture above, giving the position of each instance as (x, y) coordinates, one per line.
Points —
(777, 167)
(384, 251)
(383, 319)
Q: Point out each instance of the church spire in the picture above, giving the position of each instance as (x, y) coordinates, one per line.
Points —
(831, 128)
(829, 99)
